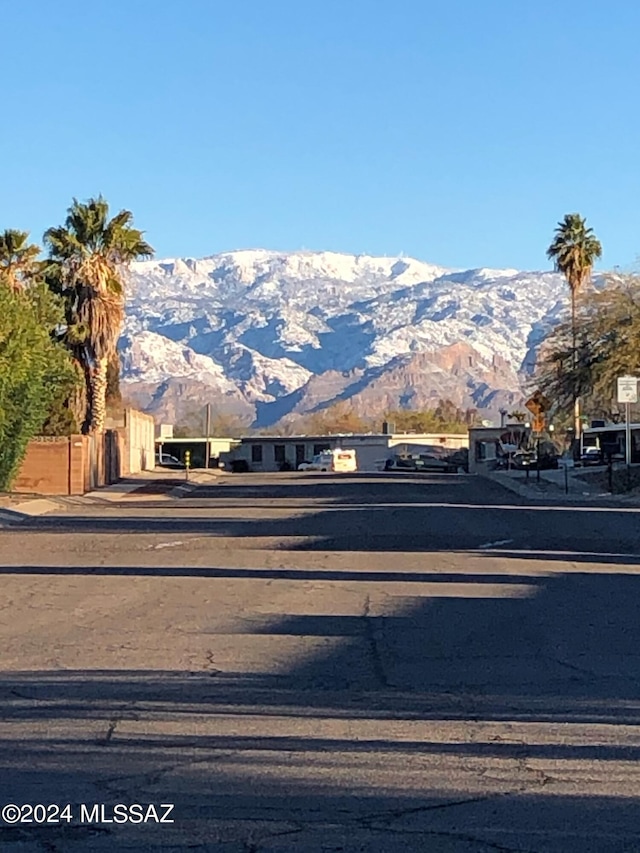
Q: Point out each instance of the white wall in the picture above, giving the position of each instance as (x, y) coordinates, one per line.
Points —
(369, 451)
(141, 440)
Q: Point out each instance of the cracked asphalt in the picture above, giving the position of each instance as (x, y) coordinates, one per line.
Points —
(314, 663)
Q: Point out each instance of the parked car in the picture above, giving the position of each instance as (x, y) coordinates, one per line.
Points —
(340, 461)
(164, 460)
(424, 462)
(460, 459)
(523, 459)
(591, 456)
(528, 459)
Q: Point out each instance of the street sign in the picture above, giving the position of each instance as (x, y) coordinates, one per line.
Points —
(627, 389)
(538, 404)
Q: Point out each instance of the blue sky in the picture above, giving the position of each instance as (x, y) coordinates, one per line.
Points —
(456, 131)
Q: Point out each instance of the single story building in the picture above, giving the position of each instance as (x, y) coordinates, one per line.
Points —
(612, 437)
(263, 453)
(487, 445)
(197, 447)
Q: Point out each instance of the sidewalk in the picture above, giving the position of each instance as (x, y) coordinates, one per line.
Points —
(160, 484)
(558, 486)
(157, 484)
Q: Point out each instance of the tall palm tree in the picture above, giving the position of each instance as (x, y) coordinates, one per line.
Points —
(89, 256)
(18, 259)
(574, 251)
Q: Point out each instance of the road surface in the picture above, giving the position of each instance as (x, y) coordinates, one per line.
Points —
(324, 663)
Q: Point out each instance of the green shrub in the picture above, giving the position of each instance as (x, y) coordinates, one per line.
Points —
(35, 373)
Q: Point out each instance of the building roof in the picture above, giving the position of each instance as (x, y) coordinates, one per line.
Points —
(195, 439)
(610, 428)
(280, 439)
(406, 437)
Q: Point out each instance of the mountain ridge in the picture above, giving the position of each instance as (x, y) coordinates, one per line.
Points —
(260, 333)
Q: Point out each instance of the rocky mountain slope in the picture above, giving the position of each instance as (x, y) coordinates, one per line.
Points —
(266, 336)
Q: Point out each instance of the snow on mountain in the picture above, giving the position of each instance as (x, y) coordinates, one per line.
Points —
(151, 357)
(261, 326)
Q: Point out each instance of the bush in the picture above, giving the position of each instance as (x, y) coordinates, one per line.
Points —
(34, 373)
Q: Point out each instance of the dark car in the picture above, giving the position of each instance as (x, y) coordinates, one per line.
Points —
(524, 460)
(397, 463)
(591, 456)
(459, 459)
(164, 460)
(424, 462)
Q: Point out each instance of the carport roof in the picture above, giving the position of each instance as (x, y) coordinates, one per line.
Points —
(283, 439)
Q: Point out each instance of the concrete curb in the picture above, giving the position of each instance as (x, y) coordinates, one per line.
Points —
(555, 493)
(26, 509)
(117, 491)
(9, 517)
(183, 490)
(114, 492)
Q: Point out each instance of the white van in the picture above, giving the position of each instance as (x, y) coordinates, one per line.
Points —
(340, 461)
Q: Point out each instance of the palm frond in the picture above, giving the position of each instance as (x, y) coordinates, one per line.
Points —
(574, 250)
(18, 259)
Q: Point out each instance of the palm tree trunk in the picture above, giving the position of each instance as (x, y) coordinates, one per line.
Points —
(98, 395)
(577, 424)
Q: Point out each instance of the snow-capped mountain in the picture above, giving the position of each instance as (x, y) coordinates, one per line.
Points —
(268, 335)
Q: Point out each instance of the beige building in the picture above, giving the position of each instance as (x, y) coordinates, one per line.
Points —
(277, 453)
(488, 444)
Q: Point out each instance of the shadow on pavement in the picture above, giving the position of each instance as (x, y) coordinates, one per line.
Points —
(428, 527)
(561, 656)
(467, 713)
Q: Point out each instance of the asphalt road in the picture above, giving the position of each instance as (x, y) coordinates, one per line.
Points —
(316, 663)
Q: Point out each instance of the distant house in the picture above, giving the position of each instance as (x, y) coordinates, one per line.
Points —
(487, 445)
(197, 447)
(265, 453)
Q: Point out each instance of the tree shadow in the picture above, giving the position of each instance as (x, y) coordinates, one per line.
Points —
(490, 708)
(406, 526)
(504, 698)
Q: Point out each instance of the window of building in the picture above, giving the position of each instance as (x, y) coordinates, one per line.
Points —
(278, 452)
(256, 453)
(320, 448)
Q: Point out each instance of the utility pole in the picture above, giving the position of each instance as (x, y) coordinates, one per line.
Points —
(207, 451)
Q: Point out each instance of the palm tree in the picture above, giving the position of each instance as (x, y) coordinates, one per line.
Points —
(89, 255)
(574, 251)
(17, 259)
